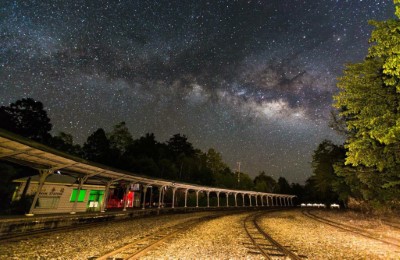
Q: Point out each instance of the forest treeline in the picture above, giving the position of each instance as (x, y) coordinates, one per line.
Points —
(175, 159)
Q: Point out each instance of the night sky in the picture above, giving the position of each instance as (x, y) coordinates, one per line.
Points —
(252, 79)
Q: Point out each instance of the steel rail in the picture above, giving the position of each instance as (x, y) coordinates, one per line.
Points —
(273, 249)
(352, 229)
(46, 231)
(390, 223)
(142, 246)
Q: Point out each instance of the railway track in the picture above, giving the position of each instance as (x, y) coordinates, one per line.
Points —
(351, 229)
(263, 243)
(391, 223)
(151, 241)
(44, 232)
(26, 235)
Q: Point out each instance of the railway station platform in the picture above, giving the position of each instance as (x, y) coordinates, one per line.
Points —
(20, 224)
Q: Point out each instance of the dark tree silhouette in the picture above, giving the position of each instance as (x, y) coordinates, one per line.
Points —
(120, 137)
(97, 147)
(145, 146)
(64, 142)
(178, 145)
(324, 178)
(28, 118)
(283, 186)
(264, 183)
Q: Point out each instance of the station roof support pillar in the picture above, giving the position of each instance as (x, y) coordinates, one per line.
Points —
(126, 196)
(43, 174)
(197, 198)
(173, 196)
(144, 196)
(186, 193)
(105, 197)
(160, 195)
(81, 182)
(235, 199)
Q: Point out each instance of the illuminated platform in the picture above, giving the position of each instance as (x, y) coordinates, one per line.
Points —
(49, 162)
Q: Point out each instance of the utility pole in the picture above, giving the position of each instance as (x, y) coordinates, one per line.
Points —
(238, 165)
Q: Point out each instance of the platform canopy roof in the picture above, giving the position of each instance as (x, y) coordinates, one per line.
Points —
(26, 152)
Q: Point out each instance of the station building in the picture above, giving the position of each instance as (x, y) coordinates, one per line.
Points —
(61, 194)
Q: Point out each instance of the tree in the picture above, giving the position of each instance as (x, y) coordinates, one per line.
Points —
(182, 153)
(178, 145)
(145, 165)
(370, 142)
(299, 191)
(168, 169)
(264, 183)
(324, 179)
(120, 137)
(145, 146)
(28, 118)
(97, 147)
(283, 186)
(370, 103)
(203, 174)
(246, 183)
(226, 179)
(214, 161)
(65, 142)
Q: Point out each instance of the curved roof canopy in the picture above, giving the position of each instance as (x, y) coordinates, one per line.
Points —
(35, 155)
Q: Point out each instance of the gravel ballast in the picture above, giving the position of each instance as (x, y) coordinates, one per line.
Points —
(220, 238)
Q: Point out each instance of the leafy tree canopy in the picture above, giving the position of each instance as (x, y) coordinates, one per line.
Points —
(120, 137)
(65, 142)
(283, 186)
(179, 145)
(324, 179)
(214, 161)
(28, 118)
(97, 147)
(374, 128)
(369, 102)
(264, 183)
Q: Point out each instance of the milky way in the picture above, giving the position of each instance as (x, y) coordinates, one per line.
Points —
(252, 79)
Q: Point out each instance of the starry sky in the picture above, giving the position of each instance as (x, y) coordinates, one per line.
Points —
(252, 79)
